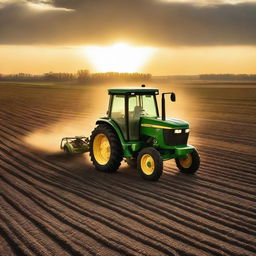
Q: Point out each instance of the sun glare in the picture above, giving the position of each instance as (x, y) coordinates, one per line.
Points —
(119, 57)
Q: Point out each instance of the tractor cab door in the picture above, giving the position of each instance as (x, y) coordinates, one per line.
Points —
(135, 111)
(140, 105)
(117, 112)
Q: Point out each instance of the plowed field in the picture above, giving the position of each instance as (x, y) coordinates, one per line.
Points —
(56, 204)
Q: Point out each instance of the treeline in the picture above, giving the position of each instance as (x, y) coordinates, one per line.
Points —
(173, 78)
(84, 76)
(81, 76)
(228, 77)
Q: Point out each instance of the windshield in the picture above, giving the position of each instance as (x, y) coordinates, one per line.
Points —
(143, 105)
(149, 105)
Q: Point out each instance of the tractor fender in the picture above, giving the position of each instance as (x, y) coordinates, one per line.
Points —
(115, 127)
(127, 147)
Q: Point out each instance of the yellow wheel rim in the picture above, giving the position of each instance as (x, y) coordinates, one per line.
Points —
(186, 163)
(101, 149)
(147, 164)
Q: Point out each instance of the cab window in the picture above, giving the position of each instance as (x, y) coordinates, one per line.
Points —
(118, 112)
(149, 105)
(140, 105)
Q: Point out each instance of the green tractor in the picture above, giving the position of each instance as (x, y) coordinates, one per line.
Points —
(134, 131)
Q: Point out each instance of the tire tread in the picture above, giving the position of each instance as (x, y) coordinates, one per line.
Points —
(116, 149)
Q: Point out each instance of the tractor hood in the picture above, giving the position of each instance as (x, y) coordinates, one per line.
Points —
(160, 124)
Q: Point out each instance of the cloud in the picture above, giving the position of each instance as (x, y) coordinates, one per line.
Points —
(150, 22)
(35, 5)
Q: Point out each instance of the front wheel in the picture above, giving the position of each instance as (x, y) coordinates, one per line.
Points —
(190, 164)
(150, 164)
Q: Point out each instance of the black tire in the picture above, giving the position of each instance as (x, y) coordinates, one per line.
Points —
(66, 150)
(192, 166)
(116, 154)
(132, 162)
(155, 173)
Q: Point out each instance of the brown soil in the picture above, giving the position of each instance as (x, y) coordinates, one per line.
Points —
(55, 204)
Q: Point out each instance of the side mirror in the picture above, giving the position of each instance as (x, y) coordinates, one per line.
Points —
(173, 97)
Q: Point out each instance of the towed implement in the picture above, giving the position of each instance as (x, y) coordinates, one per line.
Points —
(133, 130)
(73, 145)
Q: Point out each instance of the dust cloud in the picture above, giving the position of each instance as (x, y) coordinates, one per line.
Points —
(93, 102)
(49, 138)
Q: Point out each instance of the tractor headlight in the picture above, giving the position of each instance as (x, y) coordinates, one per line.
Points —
(177, 131)
(187, 131)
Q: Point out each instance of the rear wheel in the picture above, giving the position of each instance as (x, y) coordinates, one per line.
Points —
(105, 149)
(190, 164)
(150, 164)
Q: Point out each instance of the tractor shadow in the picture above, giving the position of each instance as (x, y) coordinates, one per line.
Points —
(80, 166)
(62, 157)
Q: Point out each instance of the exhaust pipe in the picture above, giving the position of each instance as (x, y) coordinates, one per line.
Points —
(163, 107)
(172, 97)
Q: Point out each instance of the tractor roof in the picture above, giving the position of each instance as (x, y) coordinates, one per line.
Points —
(124, 90)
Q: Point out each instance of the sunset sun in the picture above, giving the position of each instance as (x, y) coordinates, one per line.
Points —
(119, 57)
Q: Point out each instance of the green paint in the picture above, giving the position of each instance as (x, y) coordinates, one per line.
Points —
(169, 122)
(124, 90)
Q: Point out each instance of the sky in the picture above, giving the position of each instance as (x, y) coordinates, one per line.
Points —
(162, 37)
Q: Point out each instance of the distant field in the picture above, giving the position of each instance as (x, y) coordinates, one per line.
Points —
(54, 204)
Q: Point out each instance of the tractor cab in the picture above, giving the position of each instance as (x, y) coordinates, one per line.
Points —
(128, 105)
